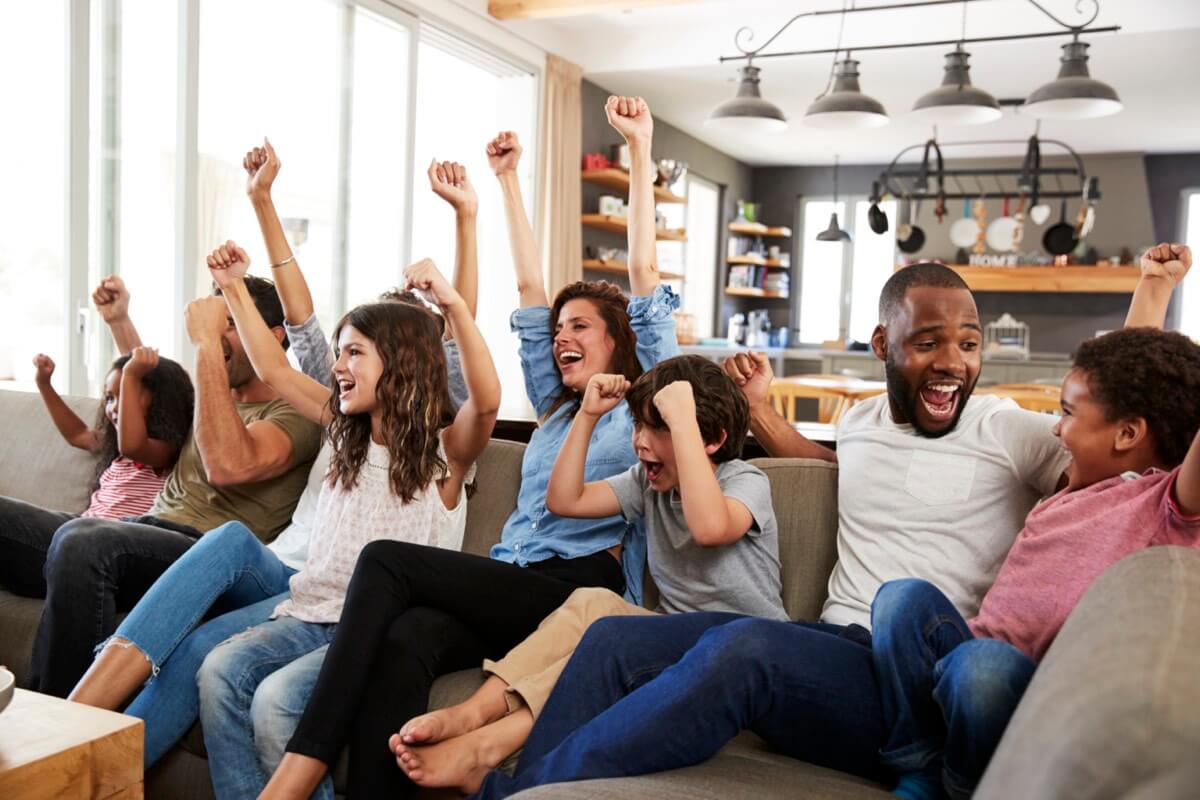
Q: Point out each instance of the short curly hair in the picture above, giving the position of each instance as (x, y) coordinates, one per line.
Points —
(1147, 373)
(720, 405)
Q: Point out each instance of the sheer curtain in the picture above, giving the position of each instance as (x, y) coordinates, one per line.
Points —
(558, 169)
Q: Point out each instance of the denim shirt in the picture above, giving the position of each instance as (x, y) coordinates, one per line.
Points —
(534, 534)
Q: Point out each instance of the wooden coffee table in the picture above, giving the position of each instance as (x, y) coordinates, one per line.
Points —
(50, 748)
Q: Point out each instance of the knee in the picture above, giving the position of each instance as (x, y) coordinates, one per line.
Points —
(983, 678)
(230, 539)
(275, 712)
(217, 677)
(75, 544)
(593, 602)
(603, 638)
(899, 600)
(739, 646)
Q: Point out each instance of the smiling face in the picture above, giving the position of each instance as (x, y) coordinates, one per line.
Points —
(931, 348)
(582, 344)
(357, 372)
(112, 394)
(1096, 443)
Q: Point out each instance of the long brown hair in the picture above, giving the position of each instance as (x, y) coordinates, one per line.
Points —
(412, 392)
(613, 307)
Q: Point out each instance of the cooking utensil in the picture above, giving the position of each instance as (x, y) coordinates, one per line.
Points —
(904, 229)
(1000, 232)
(916, 237)
(1040, 213)
(962, 232)
(980, 212)
(876, 218)
(1089, 221)
(1019, 231)
(1059, 239)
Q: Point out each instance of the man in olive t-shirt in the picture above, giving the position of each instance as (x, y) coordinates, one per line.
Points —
(247, 459)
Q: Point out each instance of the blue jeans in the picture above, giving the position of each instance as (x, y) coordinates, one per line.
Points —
(946, 695)
(228, 568)
(228, 680)
(277, 707)
(647, 694)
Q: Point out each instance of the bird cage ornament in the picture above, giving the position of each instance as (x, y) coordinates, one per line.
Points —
(1006, 338)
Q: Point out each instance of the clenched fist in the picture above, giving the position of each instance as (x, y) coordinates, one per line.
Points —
(1169, 261)
(45, 368)
(227, 263)
(752, 373)
(504, 152)
(111, 299)
(631, 117)
(603, 393)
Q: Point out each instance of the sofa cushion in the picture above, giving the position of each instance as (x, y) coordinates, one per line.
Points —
(19, 617)
(498, 472)
(36, 465)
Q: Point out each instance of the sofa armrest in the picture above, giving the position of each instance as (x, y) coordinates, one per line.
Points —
(1113, 705)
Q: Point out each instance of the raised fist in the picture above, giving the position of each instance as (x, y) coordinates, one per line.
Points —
(206, 319)
(227, 263)
(142, 361)
(603, 393)
(752, 373)
(111, 299)
(425, 277)
(1169, 261)
(504, 152)
(449, 181)
(45, 368)
(261, 165)
(675, 402)
(631, 117)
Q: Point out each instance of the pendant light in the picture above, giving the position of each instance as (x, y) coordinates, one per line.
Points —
(956, 101)
(834, 232)
(845, 106)
(747, 111)
(1074, 94)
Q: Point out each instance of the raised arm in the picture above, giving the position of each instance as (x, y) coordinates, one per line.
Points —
(753, 374)
(111, 299)
(1163, 267)
(504, 153)
(133, 439)
(262, 165)
(449, 181)
(472, 427)
(1187, 484)
(631, 117)
(72, 428)
(567, 495)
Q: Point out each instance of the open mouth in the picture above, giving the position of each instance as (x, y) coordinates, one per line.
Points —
(941, 399)
(568, 358)
(227, 352)
(653, 469)
(345, 386)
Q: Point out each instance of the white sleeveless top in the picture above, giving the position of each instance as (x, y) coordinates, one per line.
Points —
(346, 521)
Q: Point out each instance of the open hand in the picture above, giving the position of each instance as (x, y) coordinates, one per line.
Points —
(261, 165)
(504, 152)
(449, 181)
(752, 373)
(111, 299)
(206, 318)
(227, 264)
(603, 393)
(425, 277)
(142, 361)
(1169, 261)
(676, 403)
(631, 117)
(45, 368)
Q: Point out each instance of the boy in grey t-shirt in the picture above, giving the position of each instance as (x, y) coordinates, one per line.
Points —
(713, 546)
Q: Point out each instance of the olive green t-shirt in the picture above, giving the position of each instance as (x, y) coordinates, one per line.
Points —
(264, 507)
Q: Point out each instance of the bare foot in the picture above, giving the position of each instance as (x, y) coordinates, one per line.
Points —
(445, 723)
(463, 761)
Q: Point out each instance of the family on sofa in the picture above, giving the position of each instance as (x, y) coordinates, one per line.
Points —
(293, 641)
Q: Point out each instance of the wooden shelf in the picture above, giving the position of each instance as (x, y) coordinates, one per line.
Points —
(758, 229)
(750, 292)
(620, 225)
(1036, 278)
(621, 268)
(618, 180)
(756, 261)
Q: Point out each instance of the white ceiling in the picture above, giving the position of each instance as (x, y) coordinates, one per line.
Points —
(669, 55)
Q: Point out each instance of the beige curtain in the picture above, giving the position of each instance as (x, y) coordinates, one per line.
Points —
(558, 170)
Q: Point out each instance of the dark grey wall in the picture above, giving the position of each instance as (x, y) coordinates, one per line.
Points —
(1168, 176)
(734, 177)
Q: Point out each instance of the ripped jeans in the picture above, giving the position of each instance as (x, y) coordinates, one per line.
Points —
(227, 570)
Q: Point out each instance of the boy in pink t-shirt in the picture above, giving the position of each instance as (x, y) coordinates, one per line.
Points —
(1131, 411)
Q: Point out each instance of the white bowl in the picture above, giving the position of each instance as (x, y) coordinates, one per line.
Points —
(7, 684)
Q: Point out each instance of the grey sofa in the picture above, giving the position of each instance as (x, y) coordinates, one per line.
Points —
(1113, 711)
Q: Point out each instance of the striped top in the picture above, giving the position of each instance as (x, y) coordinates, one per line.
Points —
(127, 489)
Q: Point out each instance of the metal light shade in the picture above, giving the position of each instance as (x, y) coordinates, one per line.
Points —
(956, 101)
(748, 111)
(834, 232)
(845, 106)
(1074, 94)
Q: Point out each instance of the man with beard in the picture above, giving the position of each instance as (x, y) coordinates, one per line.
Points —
(932, 484)
(247, 458)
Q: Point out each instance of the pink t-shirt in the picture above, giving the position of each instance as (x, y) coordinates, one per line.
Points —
(1067, 542)
(127, 489)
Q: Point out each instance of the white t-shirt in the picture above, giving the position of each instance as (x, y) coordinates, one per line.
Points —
(945, 510)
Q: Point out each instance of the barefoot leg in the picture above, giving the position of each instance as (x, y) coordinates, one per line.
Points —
(464, 761)
(115, 674)
(485, 706)
(297, 777)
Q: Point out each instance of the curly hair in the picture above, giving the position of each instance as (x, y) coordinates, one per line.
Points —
(169, 417)
(720, 406)
(412, 392)
(613, 307)
(1147, 373)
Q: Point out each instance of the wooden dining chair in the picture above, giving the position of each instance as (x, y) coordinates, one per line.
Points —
(1046, 402)
(827, 390)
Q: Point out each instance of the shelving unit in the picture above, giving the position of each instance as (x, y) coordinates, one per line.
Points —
(621, 268)
(757, 261)
(618, 180)
(620, 225)
(1037, 278)
(758, 229)
(759, 275)
(738, 291)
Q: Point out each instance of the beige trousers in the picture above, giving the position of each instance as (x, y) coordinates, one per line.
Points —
(532, 668)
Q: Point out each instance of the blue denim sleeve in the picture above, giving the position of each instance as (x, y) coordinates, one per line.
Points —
(312, 350)
(454, 373)
(650, 317)
(542, 379)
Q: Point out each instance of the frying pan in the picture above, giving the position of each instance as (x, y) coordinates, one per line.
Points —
(875, 216)
(962, 232)
(1059, 239)
(916, 237)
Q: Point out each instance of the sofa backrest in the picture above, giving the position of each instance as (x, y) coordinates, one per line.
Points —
(36, 465)
(497, 479)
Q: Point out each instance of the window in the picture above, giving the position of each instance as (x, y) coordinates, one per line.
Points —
(1189, 313)
(703, 221)
(873, 261)
(820, 274)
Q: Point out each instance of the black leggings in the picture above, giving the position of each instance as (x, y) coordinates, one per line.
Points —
(413, 613)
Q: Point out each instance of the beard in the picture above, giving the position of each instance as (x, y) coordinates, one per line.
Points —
(906, 397)
(238, 370)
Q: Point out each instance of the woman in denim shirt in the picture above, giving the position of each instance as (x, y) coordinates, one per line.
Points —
(413, 613)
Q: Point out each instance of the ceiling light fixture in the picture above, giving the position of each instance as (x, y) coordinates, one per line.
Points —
(1074, 94)
(845, 106)
(747, 111)
(834, 232)
(956, 101)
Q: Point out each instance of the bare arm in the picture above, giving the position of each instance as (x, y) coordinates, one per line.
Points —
(133, 439)
(504, 153)
(752, 373)
(449, 181)
(1187, 483)
(631, 117)
(262, 165)
(567, 495)
(111, 299)
(1163, 267)
(74, 430)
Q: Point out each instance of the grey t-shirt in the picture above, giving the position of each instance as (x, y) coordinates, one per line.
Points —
(742, 577)
(316, 357)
